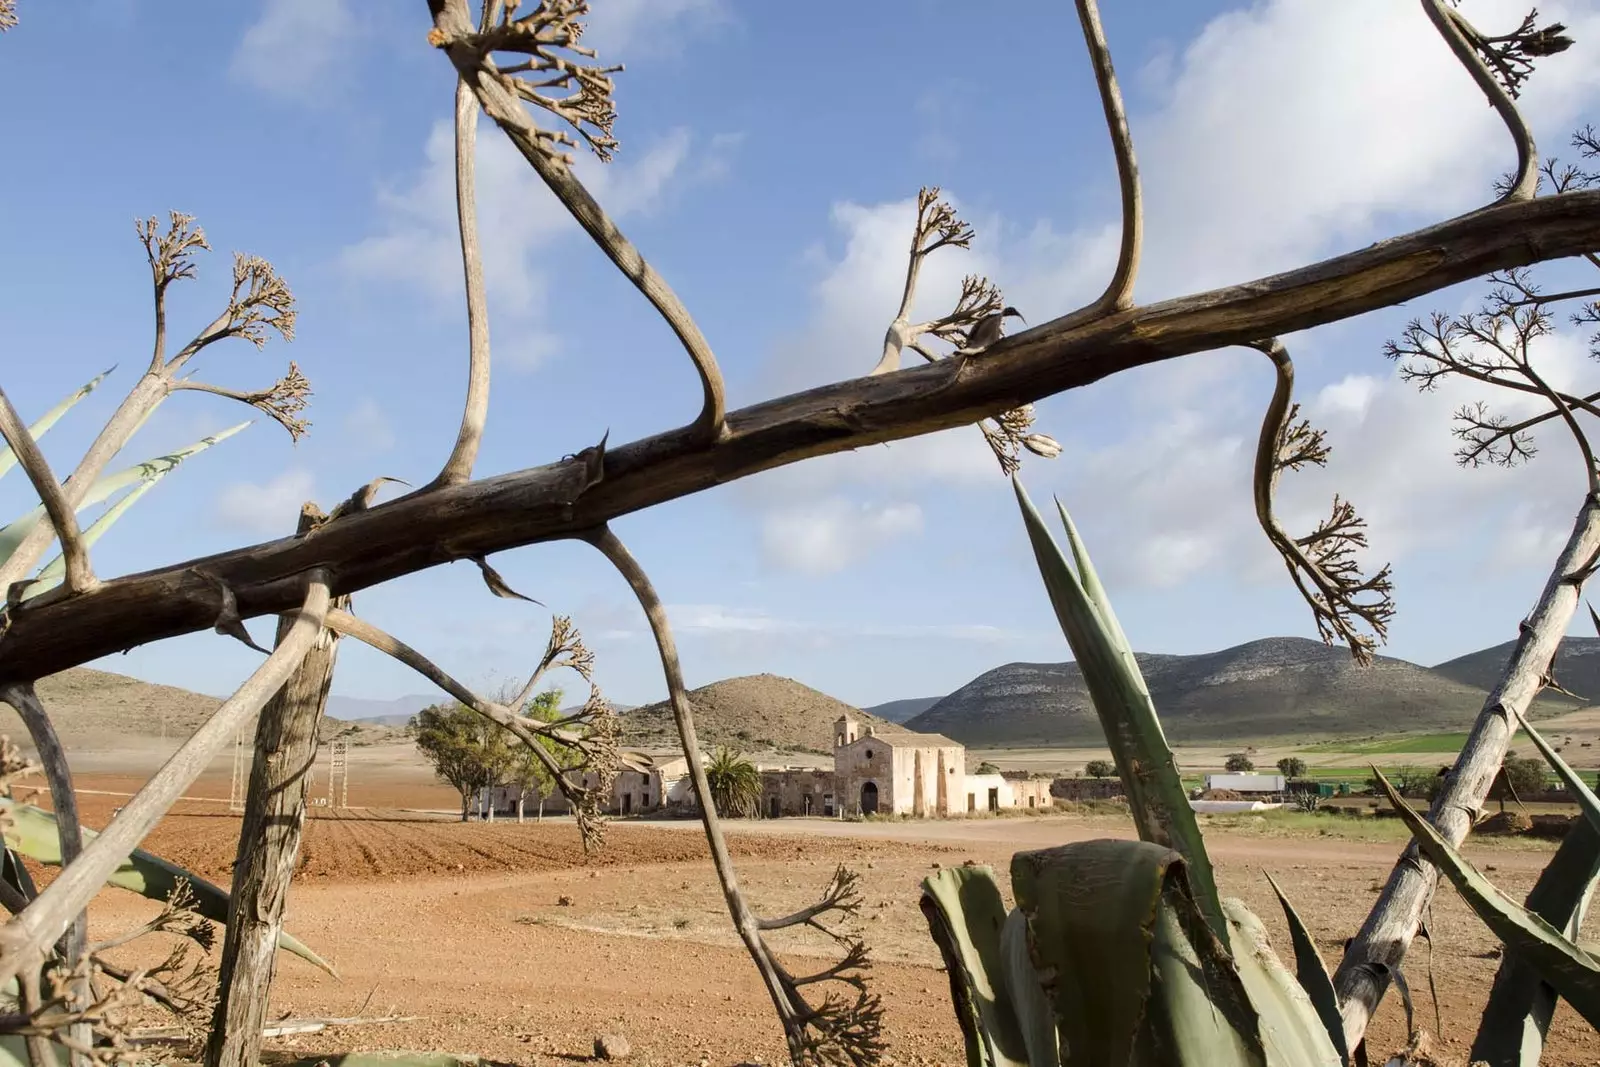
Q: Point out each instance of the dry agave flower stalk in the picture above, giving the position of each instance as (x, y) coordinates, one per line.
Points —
(592, 734)
(1322, 563)
(557, 78)
(88, 1009)
(259, 303)
(543, 35)
(1492, 346)
(840, 1030)
(1510, 56)
(979, 308)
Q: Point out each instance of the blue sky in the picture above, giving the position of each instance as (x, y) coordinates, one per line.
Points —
(769, 161)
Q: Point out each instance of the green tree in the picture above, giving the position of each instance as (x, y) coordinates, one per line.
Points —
(735, 784)
(527, 770)
(466, 750)
(1525, 776)
(1100, 768)
(986, 768)
(1239, 763)
(1292, 767)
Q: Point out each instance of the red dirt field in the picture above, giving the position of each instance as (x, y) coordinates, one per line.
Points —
(462, 926)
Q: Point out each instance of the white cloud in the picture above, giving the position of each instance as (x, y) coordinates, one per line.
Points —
(718, 619)
(1283, 132)
(295, 47)
(519, 220)
(1291, 127)
(266, 510)
(824, 536)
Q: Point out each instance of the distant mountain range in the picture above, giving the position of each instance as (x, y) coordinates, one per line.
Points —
(902, 710)
(396, 712)
(1576, 667)
(1276, 687)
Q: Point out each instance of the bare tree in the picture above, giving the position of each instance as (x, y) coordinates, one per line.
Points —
(518, 63)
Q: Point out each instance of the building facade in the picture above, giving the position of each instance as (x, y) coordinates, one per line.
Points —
(889, 770)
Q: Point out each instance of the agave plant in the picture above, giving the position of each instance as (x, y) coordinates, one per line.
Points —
(1122, 952)
(32, 832)
(138, 480)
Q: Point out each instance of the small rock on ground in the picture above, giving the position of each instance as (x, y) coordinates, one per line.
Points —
(611, 1047)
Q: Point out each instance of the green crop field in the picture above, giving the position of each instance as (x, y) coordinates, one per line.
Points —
(1446, 744)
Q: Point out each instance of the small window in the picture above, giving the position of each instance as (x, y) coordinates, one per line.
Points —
(869, 753)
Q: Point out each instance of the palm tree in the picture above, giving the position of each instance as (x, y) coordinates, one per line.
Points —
(735, 784)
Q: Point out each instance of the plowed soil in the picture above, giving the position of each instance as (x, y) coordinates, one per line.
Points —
(506, 940)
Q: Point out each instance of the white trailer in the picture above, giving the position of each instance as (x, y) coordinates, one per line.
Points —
(1248, 783)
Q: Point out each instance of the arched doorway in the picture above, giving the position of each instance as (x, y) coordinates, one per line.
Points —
(869, 798)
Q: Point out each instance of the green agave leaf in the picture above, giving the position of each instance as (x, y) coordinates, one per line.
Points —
(34, 834)
(150, 470)
(1134, 972)
(1097, 594)
(1292, 1027)
(1156, 797)
(52, 573)
(1521, 1004)
(8, 458)
(1571, 971)
(1023, 989)
(966, 914)
(1588, 803)
(1312, 973)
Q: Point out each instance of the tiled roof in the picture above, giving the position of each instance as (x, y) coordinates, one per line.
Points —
(904, 738)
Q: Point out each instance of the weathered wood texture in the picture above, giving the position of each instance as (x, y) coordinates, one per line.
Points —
(54, 909)
(269, 843)
(545, 503)
(1400, 908)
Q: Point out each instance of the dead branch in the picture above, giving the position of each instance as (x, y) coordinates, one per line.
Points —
(63, 517)
(1322, 563)
(595, 737)
(1118, 294)
(838, 1031)
(548, 36)
(559, 500)
(937, 226)
(1492, 346)
(475, 413)
(843, 897)
(284, 400)
(976, 323)
(565, 648)
(47, 918)
(64, 799)
(1398, 912)
(1499, 66)
(284, 750)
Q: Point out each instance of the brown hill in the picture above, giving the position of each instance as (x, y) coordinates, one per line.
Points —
(1276, 687)
(755, 712)
(1576, 667)
(94, 710)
